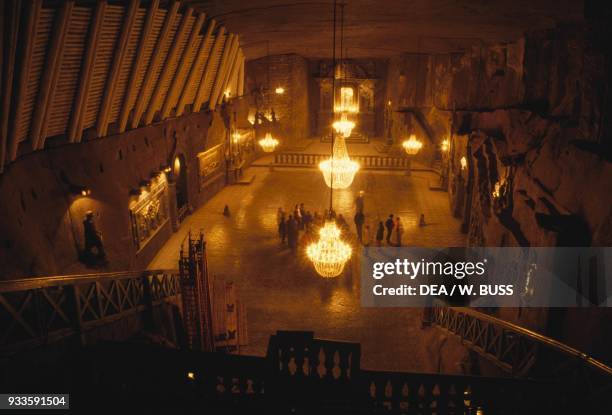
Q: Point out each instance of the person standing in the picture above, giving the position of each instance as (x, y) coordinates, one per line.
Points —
(292, 233)
(282, 228)
(359, 220)
(389, 224)
(367, 235)
(94, 248)
(399, 230)
(359, 202)
(380, 233)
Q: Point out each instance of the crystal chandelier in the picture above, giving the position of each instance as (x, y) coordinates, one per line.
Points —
(268, 144)
(412, 145)
(339, 170)
(329, 253)
(344, 126)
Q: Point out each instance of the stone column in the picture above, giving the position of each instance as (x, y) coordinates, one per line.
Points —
(172, 208)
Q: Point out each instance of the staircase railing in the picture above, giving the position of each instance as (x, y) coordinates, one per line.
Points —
(511, 347)
(36, 311)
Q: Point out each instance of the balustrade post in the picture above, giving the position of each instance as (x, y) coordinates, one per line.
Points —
(149, 319)
(408, 167)
(75, 295)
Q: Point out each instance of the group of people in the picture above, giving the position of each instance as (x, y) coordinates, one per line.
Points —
(291, 223)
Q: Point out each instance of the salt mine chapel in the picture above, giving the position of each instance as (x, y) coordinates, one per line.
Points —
(306, 207)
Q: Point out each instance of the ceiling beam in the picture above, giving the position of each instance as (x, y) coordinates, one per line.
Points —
(24, 71)
(233, 62)
(75, 130)
(219, 42)
(173, 55)
(138, 62)
(199, 61)
(222, 71)
(181, 71)
(240, 91)
(50, 76)
(10, 43)
(157, 60)
(111, 83)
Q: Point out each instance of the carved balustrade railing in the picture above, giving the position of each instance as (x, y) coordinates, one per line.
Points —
(366, 162)
(422, 393)
(36, 311)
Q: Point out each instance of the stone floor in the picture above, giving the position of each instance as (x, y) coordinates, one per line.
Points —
(281, 289)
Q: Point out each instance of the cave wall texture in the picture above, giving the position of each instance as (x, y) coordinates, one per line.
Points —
(291, 108)
(41, 220)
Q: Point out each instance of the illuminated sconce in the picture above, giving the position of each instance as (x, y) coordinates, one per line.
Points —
(496, 190)
(167, 169)
(412, 145)
(251, 118)
(463, 162)
(279, 90)
(445, 145)
(80, 190)
(389, 103)
(236, 137)
(227, 93)
(191, 376)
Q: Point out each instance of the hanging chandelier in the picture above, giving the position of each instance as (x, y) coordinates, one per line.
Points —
(412, 145)
(339, 170)
(330, 253)
(268, 144)
(344, 126)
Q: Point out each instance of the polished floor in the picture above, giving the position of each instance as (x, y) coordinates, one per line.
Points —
(281, 289)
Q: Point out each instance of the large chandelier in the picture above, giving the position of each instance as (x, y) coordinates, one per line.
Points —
(268, 144)
(412, 145)
(339, 170)
(330, 253)
(344, 126)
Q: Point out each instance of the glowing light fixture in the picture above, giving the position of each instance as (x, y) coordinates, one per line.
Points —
(85, 192)
(497, 190)
(227, 93)
(330, 253)
(268, 144)
(190, 375)
(279, 90)
(412, 145)
(463, 162)
(236, 137)
(344, 126)
(445, 145)
(339, 170)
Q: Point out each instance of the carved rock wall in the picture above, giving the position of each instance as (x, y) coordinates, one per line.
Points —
(41, 219)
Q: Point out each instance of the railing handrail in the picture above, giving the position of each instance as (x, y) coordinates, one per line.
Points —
(31, 283)
(547, 341)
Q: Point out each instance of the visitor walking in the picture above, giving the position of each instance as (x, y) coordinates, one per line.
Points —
(292, 233)
(399, 230)
(380, 233)
(367, 235)
(359, 220)
(359, 202)
(389, 224)
(282, 228)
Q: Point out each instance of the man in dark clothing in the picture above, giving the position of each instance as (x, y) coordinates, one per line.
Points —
(93, 239)
(389, 224)
(359, 220)
(292, 233)
(359, 202)
(380, 233)
(282, 228)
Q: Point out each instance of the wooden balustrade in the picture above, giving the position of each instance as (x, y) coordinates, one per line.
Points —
(37, 311)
